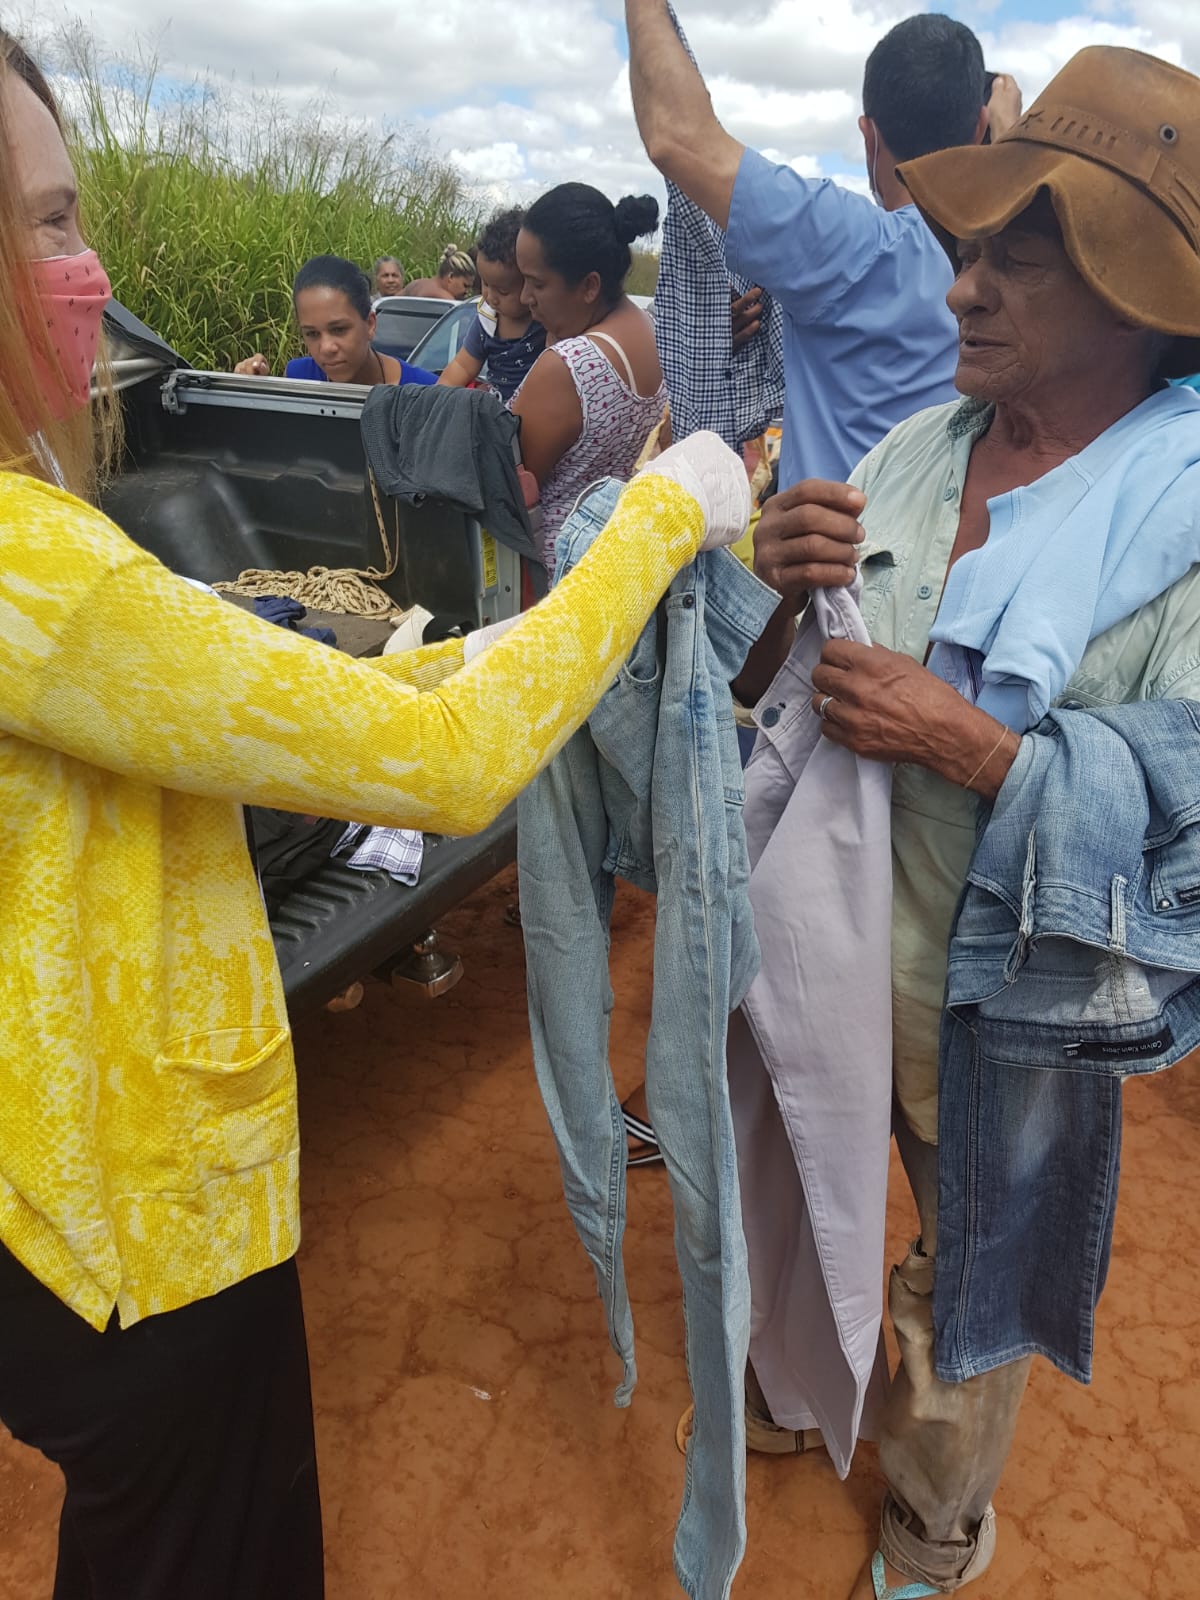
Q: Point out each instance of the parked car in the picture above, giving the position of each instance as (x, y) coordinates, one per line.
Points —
(402, 322)
(444, 340)
(223, 473)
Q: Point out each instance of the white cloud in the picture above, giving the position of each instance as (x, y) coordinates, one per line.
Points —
(494, 164)
(806, 166)
(525, 95)
(794, 45)
(1035, 51)
(814, 119)
(1173, 22)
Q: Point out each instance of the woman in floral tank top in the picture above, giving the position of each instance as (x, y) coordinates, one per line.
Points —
(592, 400)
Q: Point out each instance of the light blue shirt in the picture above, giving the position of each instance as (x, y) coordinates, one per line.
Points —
(1072, 554)
(868, 339)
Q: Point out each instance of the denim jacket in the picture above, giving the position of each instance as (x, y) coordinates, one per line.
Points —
(651, 789)
(1073, 964)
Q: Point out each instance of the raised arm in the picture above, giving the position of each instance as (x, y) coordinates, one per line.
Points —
(674, 114)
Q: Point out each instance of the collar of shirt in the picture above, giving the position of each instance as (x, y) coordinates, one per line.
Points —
(966, 421)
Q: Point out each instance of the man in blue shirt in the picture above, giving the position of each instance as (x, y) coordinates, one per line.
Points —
(867, 336)
(868, 339)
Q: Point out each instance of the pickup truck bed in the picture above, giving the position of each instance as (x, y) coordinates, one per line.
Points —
(225, 473)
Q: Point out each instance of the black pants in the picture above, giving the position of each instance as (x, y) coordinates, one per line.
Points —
(186, 1441)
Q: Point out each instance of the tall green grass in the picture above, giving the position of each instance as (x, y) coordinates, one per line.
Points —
(643, 275)
(202, 203)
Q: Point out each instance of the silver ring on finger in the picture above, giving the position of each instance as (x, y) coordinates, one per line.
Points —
(823, 708)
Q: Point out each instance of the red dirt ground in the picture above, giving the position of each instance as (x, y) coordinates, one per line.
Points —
(469, 1449)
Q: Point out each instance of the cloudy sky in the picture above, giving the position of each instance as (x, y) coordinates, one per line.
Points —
(526, 93)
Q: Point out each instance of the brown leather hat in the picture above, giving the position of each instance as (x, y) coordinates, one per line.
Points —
(1115, 142)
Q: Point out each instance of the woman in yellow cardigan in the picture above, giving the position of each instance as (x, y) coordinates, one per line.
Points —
(151, 1335)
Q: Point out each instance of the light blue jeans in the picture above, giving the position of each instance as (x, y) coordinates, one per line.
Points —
(651, 790)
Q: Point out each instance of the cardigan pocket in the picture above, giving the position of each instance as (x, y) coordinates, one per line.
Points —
(235, 1094)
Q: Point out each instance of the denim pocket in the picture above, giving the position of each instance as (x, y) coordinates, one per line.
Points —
(1027, 1168)
(1174, 870)
(642, 669)
(732, 776)
(643, 666)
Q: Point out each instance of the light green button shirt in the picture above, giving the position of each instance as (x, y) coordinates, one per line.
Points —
(914, 481)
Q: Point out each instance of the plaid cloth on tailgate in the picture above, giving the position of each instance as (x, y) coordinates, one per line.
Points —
(396, 851)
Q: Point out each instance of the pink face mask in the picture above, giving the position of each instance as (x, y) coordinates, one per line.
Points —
(72, 293)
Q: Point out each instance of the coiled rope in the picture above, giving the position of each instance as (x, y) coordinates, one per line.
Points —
(352, 591)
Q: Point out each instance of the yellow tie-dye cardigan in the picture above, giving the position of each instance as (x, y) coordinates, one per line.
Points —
(148, 1135)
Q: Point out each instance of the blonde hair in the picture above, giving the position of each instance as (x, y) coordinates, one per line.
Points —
(79, 445)
(456, 263)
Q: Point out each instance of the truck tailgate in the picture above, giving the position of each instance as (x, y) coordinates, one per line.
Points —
(342, 924)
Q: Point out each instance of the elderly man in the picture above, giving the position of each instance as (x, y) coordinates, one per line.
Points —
(1077, 240)
(866, 337)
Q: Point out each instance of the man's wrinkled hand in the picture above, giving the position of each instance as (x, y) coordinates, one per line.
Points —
(887, 707)
(806, 539)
